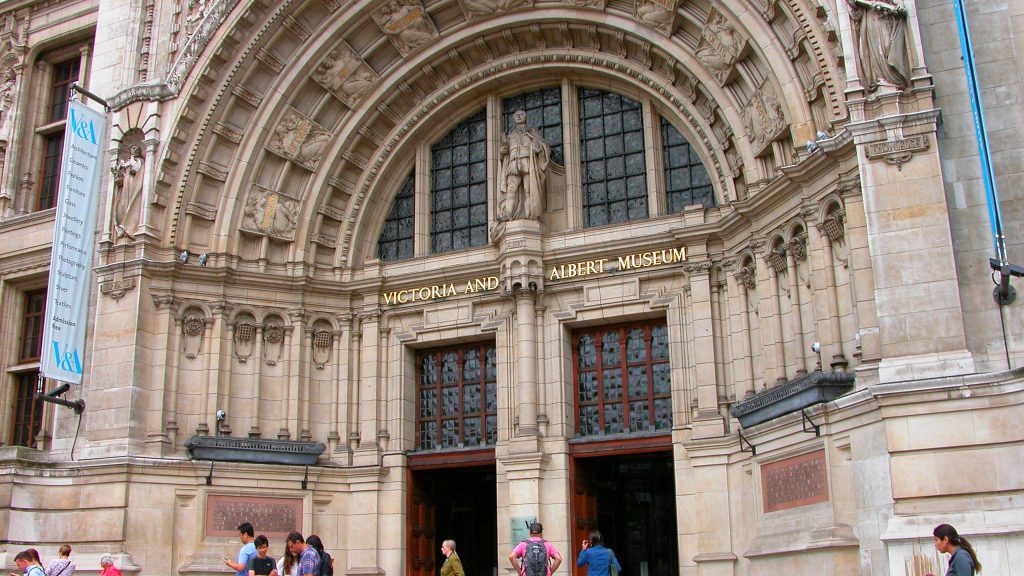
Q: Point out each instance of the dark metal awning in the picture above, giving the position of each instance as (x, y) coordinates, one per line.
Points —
(796, 394)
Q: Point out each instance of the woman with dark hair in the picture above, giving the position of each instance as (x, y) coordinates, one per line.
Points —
(598, 559)
(962, 560)
(326, 562)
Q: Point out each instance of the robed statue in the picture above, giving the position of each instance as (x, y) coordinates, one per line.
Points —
(524, 164)
(882, 52)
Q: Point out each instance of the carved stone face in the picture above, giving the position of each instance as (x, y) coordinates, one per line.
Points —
(520, 117)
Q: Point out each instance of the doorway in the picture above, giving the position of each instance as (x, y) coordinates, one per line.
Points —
(631, 500)
(457, 503)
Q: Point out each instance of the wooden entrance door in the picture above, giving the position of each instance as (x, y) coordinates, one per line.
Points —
(584, 510)
(422, 540)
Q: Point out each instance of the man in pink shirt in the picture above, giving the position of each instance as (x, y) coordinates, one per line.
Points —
(526, 557)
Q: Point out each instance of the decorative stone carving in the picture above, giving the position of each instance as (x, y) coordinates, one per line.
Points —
(882, 55)
(658, 14)
(345, 74)
(245, 335)
(525, 156)
(763, 118)
(127, 178)
(897, 151)
(270, 213)
(832, 226)
(273, 340)
(776, 258)
(599, 4)
(8, 85)
(322, 343)
(798, 248)
(719, 47)
(406, 24)
(747, 277)
(195, 11)
(192, 327)
(299, 139)
(117, 288)
(482, 8)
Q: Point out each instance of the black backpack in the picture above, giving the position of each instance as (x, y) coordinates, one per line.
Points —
(535, 558)
(325, 564)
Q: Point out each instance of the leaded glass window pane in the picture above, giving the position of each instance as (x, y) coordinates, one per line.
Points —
(458, 397)
(686, 180)
(396, 239)
(612, 156)
(543, 112)
(458, 187)
(624, 384)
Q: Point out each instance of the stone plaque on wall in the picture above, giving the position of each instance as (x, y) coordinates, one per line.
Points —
(274, 517)
(794, 482)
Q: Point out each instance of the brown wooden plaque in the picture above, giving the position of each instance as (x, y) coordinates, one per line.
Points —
(273, 517)
(794, 482)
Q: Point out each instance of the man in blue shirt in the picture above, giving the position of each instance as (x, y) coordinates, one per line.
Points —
(248, 550)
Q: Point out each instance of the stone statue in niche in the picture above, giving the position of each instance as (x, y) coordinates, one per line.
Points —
(880, 26)
(8, 83)
(719, 47)
(479, 8)
(299, 139)
(270, 213)
(763, 118)
(658, 14)
(406, 24)
(525, 156)
(345, 74)
(126, 173)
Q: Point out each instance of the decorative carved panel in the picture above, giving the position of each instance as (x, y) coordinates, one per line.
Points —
(275, 517)
(299, 139)
(658, 14)
(483, 8)
(270, 213)
(345, 74)
(406, 24)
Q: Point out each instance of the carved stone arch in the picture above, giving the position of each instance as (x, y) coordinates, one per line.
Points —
(203, 103)
(243, 313)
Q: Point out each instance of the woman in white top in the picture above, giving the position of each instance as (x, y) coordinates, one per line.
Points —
(288, 564)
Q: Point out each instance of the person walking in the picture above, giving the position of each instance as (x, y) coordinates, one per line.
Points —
(962, 559)
(535, 556)
(452, 564)
(598, 559)
(61, 566)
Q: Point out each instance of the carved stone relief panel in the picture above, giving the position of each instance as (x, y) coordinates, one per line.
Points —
(406, 24)
(245, 336)
(763, 118)
(192, 328)
(299, 139)
(270, 213)
(323, 342)
(719, 47)
(345, 74)
(273, 340)
(599, 4)
(658, 14)
(482, 8)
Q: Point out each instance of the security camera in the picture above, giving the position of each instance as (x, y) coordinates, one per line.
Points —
(816, 347)
(221, 415)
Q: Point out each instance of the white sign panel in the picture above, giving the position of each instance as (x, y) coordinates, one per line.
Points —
(67, 298)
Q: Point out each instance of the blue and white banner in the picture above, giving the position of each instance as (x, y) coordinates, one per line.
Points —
(67, 298)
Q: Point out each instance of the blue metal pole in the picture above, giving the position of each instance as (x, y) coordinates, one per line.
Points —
(991, 193)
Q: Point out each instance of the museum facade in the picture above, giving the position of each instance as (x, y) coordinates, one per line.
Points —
(710, 277)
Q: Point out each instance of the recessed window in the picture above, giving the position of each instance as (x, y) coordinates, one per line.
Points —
(396, 238)
(457, 397)
(623, 379)
(458, 187)
(62, 76)
(686, 180)
(27, 412)
(612, 154)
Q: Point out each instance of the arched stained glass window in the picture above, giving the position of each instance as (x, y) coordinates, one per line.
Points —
(543, 111)
(686, 180)
(396, 238)
(458, 187)
(612, 156)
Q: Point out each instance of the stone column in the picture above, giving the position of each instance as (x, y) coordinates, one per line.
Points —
(744, 281)
(778, 351)
(526, 364)
(257, 376)
(708, 420)
(796, 316)
(369, 387)
(830, 231)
